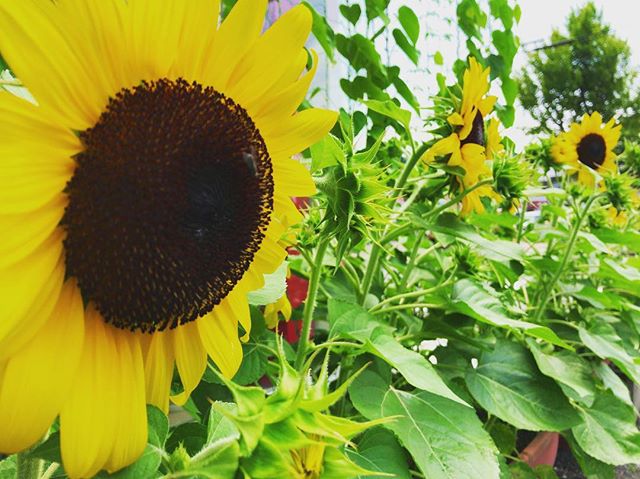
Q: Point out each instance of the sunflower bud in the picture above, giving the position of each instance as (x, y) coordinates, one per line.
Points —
(512, 174)
(619, 191)
(540, 153)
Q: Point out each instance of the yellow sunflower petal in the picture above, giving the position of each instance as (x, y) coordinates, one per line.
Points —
(37, 379)
(455, 119)
(23, 233)
(275, 52)
(219, 333)
(130, 437)
(43, 57)
(237, 33)
(36, 315)
(443, 147)
(286, 102)
(22, 282)
(294, 134)
(93, 419)
(158, 369)
(239, 306)
(293, 178)
(197, 37)
(191, 358)
(96, 30)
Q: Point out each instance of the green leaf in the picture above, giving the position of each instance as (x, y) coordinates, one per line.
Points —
(406, 46)
(49, 450)
(392, 110)
(146, 466)
(327, 152)
(414, 367)
(220, 462)
(605, 343)
(192, 436)
(572, 373)
(253, 366)
(438, 59)
(591, 467)
(323, 32)
(275, 286)
(608, 430)
(510, 90)
(472, 300)
(507, 384)
(378, 451)
(445, 439)
(8, 467)
(351, 12)
(354, 321)
(158, 426)
(613, 382)
(630, 238)
(220, 427)
(410, 23)
(376, 8)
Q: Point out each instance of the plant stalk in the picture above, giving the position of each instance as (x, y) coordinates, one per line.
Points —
(565, 259)
(376, 249)
(310, 303)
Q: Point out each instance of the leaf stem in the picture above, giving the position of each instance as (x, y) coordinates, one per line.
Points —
(376, 249)
(546, 295)
(310, 303)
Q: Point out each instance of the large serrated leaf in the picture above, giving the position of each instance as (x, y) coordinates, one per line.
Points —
(508, 385)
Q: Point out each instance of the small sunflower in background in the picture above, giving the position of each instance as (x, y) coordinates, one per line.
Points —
(472, 140)
(588, 147)
(142, 197)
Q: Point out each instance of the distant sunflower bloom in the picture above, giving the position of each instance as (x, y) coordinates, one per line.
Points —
(141, 198)
(587, 146)
(471, 144)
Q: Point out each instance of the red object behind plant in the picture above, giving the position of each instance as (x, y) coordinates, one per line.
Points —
(297, 288)
(542, 450)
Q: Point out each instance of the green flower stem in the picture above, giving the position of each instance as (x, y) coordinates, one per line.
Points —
(310, 303)
(523, 212)
(408, 295)
(376, 250)
(548, 289)
(28, 467)
(412, 260)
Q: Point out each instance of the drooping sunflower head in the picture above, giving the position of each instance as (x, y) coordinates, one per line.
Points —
(587, 147)
(143, 194)
(472, 139)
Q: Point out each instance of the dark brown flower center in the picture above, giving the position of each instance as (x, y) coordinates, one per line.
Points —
(168, 204)
(476, 135)
(592, 150)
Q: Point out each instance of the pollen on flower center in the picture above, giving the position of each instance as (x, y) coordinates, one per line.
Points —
(592, 150)
(476, 135)
(169, 203)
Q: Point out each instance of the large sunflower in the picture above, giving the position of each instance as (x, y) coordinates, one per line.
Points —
(587, 147)
(141, 198)
(472, 141)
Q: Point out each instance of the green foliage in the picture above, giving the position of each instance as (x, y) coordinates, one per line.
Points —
(583, 70)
